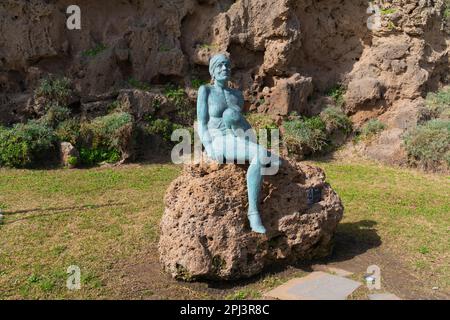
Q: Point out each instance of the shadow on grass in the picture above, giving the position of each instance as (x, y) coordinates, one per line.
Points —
(55, 210)
(351, 239)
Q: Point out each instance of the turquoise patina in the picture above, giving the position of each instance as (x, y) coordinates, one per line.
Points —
(219, 123)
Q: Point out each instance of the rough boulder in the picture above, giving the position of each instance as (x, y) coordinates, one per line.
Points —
(205, 233)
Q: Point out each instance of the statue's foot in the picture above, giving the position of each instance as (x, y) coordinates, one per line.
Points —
(255, 222)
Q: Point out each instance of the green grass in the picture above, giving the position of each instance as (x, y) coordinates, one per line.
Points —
(99, 217)
(410, 209)
(90, 218)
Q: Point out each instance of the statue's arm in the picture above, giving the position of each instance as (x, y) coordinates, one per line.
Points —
(202, 120)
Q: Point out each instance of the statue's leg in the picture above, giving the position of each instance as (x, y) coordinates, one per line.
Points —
(242, 150)
(254, 181)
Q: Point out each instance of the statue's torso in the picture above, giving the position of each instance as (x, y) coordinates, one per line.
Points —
(218, 102)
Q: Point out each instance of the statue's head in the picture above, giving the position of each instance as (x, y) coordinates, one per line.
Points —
(220, 67)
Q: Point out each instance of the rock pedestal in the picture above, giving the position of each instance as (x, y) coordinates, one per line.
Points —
(205, 233)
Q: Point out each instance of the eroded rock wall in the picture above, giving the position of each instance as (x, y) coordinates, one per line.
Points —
(285, 53)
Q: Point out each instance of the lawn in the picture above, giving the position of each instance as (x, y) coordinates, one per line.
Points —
(102, 218)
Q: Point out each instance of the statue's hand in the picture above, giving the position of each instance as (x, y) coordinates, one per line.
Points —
(210, 152)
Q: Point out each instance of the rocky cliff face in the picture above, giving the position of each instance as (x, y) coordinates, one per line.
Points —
(286, 54)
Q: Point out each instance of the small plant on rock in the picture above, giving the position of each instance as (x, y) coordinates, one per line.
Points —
(94, 51)
(428, 145)
(372, 128)
(185, 112)
(437, 105)
(305, 136)
(138, 84)
(337, 94)
(336, 120)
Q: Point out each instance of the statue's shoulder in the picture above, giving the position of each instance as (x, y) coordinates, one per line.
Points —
(204, 89)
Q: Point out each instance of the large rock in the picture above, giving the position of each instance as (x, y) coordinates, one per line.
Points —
(205, 233)
(288, 95)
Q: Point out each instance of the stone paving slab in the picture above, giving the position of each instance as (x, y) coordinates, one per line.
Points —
(332, 270)
(316, 286)
(383, 296)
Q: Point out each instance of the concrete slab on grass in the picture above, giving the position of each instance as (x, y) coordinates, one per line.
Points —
(316, 286)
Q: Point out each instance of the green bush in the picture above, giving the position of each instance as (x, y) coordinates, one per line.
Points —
(428, 145)
(25, 145)
(336, 120)
(54, 115)
(138, 84)
(372, 127)
(337, 93)
(447, 10)
(69, 131)
(54, 90)
(163, 128)
(73, 161)
(197, 83)
(437, 105)
(93, 156)
(106, 137)
(185, 113)
(94, 51)
(261, 122)
(305, 136)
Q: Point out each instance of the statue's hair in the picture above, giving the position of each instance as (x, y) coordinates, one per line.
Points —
(214, 61)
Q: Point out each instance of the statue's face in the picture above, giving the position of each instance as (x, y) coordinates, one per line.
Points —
(222, 71)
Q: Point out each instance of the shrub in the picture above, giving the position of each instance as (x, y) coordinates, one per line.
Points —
(55, 90)
(335, 119)
(163, 128)
(447, 9)
(138, 84)
(437, 105)
(185, 113)
(305, 136)
(337, 93)
(72, 161)
(372, 127)
(94, 51)
(93, 156)
(114, 106)
(388, 11)
(25, 145)
(260, 122)
(54, 115)
(197, 83)
(428, 145)
(107, 136)
(69, 131)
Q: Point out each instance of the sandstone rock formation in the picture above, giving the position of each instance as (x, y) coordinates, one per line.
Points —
(205, 233)
(286, 53)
